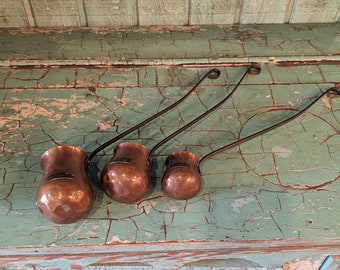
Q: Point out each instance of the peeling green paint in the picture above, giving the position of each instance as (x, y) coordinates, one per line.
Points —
(282, 185)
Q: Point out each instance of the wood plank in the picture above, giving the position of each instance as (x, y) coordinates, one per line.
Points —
(43, 107)
(13, 14)
(315, 11)
(163, 12)
(269, 254)
(65, 13)
(212, 12)
(111, 12)
(263, 11)
(276, 194)
(194, 45)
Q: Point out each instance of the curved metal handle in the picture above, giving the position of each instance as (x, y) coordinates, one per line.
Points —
(333, 92)
(211, 74)
(251, 69)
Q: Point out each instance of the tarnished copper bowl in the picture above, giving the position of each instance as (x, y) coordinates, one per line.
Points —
(65, 194)
(182, 180)
(126, 178)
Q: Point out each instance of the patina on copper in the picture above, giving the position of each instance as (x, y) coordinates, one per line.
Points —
(65, 194)
(182, 180)
(126, 178)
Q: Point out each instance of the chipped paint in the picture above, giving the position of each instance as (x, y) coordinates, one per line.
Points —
(281, 151)
(114, 240)
(302, 264)
(279, 189)
(103, 126)
(239, 203)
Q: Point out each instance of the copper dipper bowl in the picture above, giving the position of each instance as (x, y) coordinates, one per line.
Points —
(126, 178)
(65, 194)
(182, 179)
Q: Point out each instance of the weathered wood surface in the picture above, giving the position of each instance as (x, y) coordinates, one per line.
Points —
(154, 46)
(13, 14)
(283, 185)
(253, 255)
(75, 13)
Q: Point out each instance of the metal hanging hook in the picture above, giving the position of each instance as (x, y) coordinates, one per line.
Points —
(182, 180)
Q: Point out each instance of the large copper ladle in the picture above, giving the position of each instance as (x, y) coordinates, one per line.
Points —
(65, 194)
(182, 179)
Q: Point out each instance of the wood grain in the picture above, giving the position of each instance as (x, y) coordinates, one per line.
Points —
(13, 14)
(111, 12)
(65, 13)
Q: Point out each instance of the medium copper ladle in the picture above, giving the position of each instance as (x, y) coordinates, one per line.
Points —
(182, 179)
(126, 178)
(65, 194)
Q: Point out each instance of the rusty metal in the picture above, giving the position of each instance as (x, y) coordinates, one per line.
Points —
(126, 178)
(65, 194)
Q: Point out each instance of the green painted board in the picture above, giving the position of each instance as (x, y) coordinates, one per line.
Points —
(58, 13)
(261, 190)
(13, 14)
(163, 12)
(315, 11)
(263, 11)
(272, 201)
(118, 13)
(192, 46)
(214, 12)
(111, 13)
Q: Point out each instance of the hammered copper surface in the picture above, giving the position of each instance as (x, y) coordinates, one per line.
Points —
(182, 179)
(126, 178)
(64, 195)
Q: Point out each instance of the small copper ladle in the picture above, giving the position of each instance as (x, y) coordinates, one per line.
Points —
(65, 194)
(182, 178)
(126, 178)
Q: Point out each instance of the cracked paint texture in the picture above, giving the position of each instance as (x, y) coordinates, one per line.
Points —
(284, 184)
(145, 45)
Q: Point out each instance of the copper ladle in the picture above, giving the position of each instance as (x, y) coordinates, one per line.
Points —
(126, 178)
(65, 194)
(182, 178)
